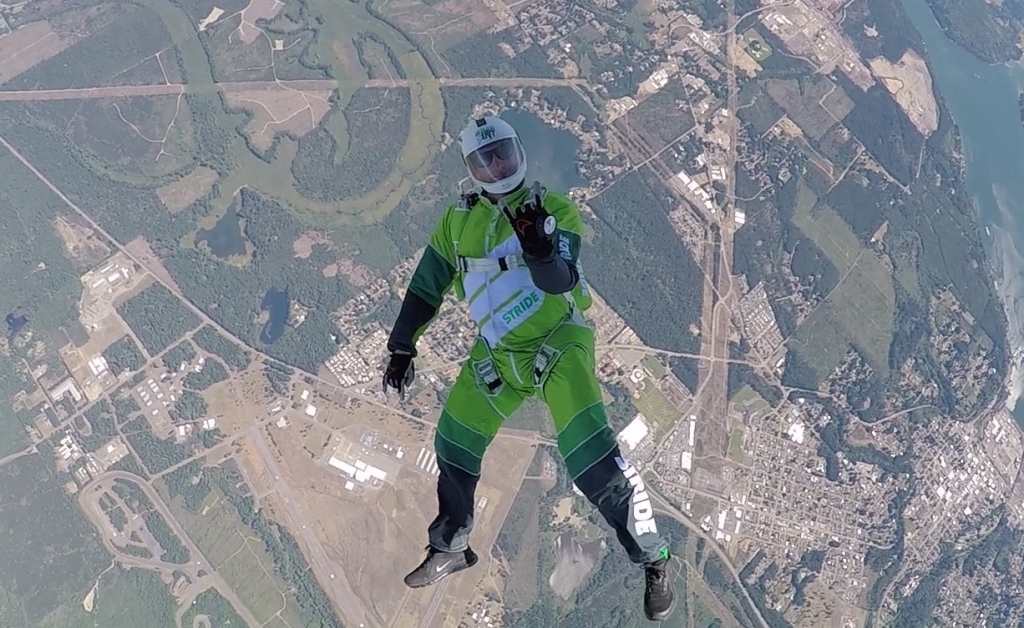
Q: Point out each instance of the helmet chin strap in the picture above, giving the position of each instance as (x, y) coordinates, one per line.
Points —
(494, 198)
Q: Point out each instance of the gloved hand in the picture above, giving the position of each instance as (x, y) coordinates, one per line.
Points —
(399, 372)
(534, 227)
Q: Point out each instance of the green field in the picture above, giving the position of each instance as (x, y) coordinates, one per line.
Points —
(756, 46)
(825, 227)
(654, 367)
(736, 445)
(657, 408)
(259, 559)
(860, 310)
(238, 557)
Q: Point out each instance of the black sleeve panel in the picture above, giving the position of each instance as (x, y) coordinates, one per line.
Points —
(414, 316)
(552, 273)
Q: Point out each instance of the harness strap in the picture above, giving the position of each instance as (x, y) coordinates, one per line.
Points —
(488, 374)
(488, 264)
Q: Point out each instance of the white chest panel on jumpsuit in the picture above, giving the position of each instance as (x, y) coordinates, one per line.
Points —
(499, 301)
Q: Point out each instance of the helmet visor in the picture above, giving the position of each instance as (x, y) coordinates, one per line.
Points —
(495, 161)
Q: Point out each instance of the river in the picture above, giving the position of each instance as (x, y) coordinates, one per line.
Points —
(983, 102)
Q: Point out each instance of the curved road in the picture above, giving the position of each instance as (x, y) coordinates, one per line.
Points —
(671, 510)
(198, 562)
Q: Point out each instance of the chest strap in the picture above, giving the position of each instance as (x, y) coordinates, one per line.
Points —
(488, 264)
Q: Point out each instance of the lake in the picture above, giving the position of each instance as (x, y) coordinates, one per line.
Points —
(276, 304)
(550, 153)
(225, 239)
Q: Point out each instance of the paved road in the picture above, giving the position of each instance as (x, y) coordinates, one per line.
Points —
(173, 89)
(199, 561)
(351, 610)
(671, 510)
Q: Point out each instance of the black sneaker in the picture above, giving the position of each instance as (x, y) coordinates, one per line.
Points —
(659, 594)
(439, 564)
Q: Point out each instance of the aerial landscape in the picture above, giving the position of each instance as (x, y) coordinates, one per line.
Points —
(805, 274)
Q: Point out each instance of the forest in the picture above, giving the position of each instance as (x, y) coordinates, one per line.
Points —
(123, 356)
(210, 340)
(479, 55)
(157, 317)
(377, 124)
(271, 230)
(637, 265)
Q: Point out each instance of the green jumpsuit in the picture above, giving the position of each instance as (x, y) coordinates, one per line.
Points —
(530, 343)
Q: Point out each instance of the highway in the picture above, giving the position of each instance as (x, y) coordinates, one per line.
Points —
(667, 508)
(350, 609)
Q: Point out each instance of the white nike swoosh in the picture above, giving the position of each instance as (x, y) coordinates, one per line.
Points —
(440, 567)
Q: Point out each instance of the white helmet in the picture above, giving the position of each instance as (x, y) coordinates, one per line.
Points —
(493, 155)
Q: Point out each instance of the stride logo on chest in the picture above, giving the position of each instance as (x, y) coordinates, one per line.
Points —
(643, 512)
(522, 307)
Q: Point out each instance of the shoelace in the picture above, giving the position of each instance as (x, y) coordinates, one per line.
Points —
(656, 579)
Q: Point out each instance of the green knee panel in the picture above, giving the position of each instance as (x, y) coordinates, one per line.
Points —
(572, 393)
(566, 383)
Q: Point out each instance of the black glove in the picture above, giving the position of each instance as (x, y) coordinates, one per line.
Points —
(399, 372)
(534, 227)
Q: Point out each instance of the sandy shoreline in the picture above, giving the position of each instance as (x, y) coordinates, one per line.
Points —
(1008, 272)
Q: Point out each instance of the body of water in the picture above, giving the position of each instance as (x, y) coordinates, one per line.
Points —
(15, 321)
(276, 303)
(550, 153)
(225, 239)
(983, 102)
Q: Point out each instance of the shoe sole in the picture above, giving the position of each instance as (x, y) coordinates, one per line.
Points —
(665, 614)
(427, 583)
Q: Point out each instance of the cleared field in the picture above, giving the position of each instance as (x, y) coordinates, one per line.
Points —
(81, 243)
(860, 309)
(180, 194)
(911, 85)
(277, 110)
(657, 408)
(237, 555)
(803, 102)
(27, 46)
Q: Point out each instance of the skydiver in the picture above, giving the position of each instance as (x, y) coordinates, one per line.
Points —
(512, 251)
